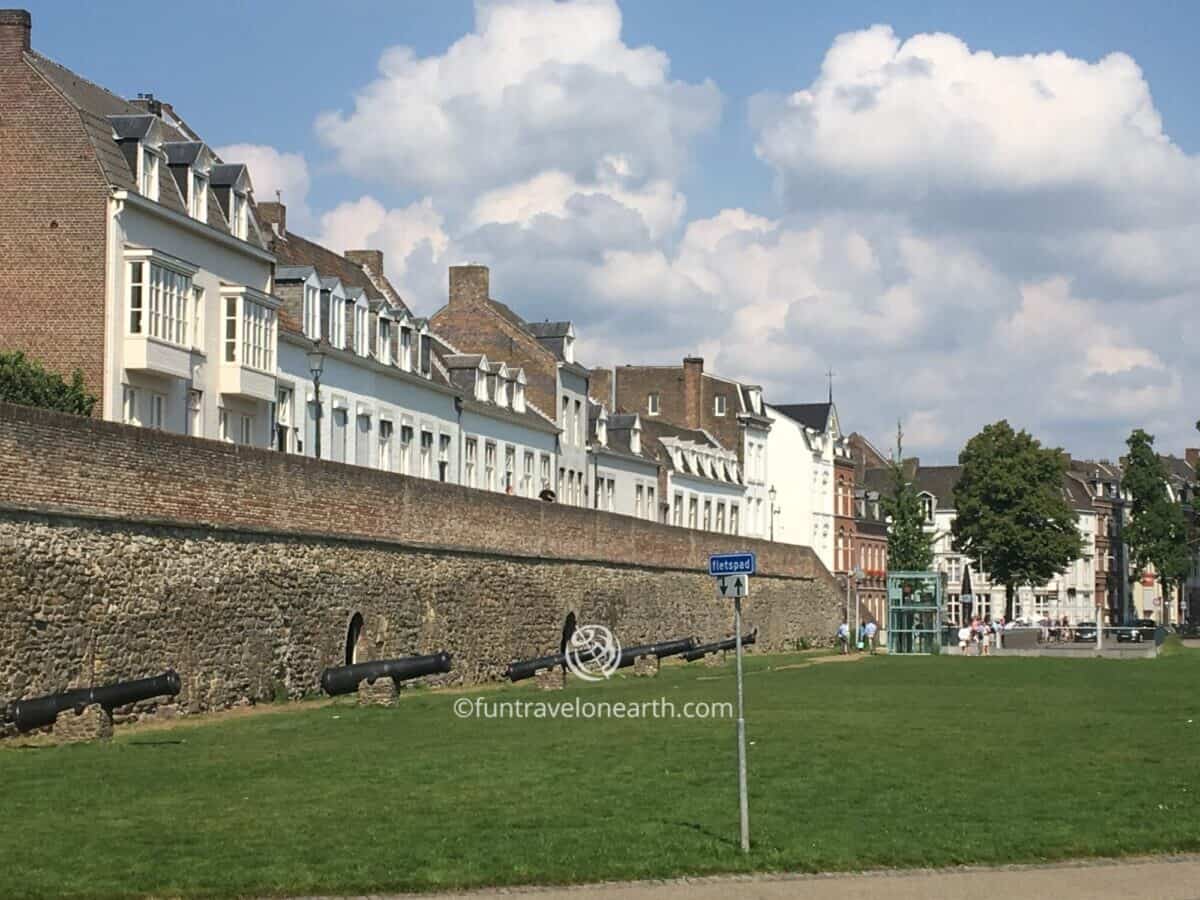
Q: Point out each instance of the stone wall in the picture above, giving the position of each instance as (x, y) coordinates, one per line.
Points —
(247, 602)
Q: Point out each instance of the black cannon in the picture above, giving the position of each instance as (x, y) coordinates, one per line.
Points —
(345, 679)
(40, 711)
(717, 646)
(519, 670)
(660, 649)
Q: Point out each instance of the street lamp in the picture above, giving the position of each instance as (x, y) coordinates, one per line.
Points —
(852, 578)
(771, 495)
(316, 364)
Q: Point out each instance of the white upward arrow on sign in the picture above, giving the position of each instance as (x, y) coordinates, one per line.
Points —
(730, 586)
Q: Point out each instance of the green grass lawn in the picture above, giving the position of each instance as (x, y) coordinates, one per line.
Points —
(882, 762)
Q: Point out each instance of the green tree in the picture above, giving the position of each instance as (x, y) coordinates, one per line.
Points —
(1157, 531)
(910, 547)
(25, 382)
(1011, 513)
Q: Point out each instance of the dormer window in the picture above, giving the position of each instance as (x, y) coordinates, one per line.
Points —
(198, 195)
(426, 354)
(148, 173)
(569, 349)
(337, 320)
(927, 507)
(360, 328)
(518, 397)
(385, 341)
(501, 390)
(481, 385)
(653, 404)
(406, 335)
(239, 215)
(719, 405)
(635, 439)
(312, 312)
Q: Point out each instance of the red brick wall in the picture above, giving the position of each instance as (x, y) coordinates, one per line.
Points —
(468, 324)
(52, 223)
(687, 396)
(81, 466)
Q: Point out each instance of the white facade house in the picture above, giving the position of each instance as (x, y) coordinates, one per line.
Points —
(625, 478)
(702, 481)
(508, 446)
(190, 323)
(802, 444)
(1069, 594)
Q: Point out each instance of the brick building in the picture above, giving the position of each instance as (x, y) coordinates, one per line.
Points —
(135, 251)
(475, 323)
(870, 530)
(728, 414)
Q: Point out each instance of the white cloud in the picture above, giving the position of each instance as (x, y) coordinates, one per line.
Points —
(273, 170)
(538, 86)
(963, 236)
(410, 236)
(925, 120)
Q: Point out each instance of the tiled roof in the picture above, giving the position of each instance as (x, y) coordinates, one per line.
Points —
(548, 329)
(293, 273)
(101, 112)
(810, 415)
(939, 481)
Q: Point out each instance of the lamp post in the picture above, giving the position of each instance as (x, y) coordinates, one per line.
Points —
(852, 578)
(771, 495)
(316, 364)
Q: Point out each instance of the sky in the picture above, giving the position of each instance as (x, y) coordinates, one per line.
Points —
(967, 212)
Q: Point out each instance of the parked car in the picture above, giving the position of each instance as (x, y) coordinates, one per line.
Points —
(1086, 631)
(1138, 630)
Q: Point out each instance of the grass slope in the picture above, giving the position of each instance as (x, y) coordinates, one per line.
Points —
(883, 762)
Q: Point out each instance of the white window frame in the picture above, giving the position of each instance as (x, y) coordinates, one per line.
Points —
(383, 343)
(148, 163)
(130, 414)
(197, 194)
(720, 405)
(489, 465)
(361, 317)
(158, 296)
(406, 439)
(249, 328)
(239, 214)
(312, 311)
(386, 429)
(527, 475)
(653, 403)
(470, 459)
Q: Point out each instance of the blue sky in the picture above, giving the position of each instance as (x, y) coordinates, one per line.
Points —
(723, 226)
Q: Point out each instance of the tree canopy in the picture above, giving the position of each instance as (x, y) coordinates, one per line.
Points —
(24, 381)
(910, 547)
(1012, 516)
(1157, 531)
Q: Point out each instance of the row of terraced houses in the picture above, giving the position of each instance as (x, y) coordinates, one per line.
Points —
(135, 254)
(130, 251)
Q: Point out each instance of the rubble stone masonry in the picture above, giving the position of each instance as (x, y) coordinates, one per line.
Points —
(126, 551)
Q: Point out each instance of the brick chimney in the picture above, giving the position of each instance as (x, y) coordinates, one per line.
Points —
(693, 391)
(15, 25)
(369, 259)
(1192, 455)
(274, 214)
(468, 285)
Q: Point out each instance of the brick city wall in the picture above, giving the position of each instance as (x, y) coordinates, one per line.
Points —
(52, 221)
(124, 551)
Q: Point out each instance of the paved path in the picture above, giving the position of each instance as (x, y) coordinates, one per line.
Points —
(1164, 878)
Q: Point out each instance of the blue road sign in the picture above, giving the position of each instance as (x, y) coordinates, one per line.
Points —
(731, 563)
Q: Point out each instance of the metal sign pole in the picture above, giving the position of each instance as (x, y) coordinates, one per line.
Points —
(743, 800)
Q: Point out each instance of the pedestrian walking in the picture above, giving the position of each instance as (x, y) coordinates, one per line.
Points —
(843, 636)
(870, 630)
